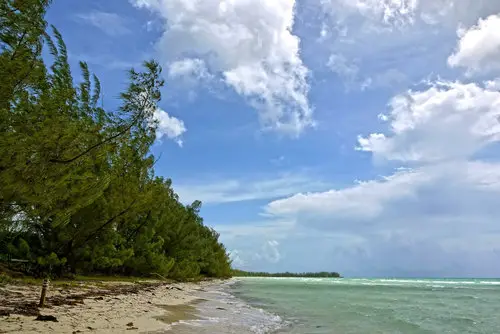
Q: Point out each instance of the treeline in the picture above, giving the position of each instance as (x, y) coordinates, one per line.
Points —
(241, 273)
(78, 192)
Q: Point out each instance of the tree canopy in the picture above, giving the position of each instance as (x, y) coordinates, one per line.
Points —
(78, 193)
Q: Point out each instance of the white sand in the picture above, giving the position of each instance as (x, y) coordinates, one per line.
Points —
(134, 313)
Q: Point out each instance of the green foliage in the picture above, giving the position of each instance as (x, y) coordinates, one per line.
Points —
(78, 192)
(51, 260)
(5, 279)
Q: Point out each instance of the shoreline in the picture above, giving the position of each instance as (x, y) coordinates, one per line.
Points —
(110, 307)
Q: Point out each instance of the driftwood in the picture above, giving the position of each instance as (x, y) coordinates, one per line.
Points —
(46, 318)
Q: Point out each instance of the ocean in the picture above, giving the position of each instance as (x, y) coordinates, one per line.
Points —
(328, 306)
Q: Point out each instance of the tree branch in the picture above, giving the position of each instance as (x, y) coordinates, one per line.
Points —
(113, 137)
(134, 233)
(109, 221)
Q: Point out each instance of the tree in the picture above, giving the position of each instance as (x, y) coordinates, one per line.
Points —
(77, 182)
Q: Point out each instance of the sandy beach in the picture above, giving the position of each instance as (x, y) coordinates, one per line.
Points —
(99, 307)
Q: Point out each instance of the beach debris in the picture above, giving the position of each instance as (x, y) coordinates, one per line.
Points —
(221, 308)
(45, 287)
(99, 298)
(131, 326)
(46, 318)
(77, 331)
(13, 302)
(29, 309)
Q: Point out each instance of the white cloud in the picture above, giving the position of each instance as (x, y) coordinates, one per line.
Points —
(188, 67)
(341, 66)
(236, 260)
(454, 12)
(409, 37)
(250, 45)
(389, 78)
(270, 251)
(110, 23)
(393, 12)
(384, 14)
(364, 201)
(478, 49)
(493, 84)
(279, 229)
(378, 201)
(227, 191)
(436, 218)
(254, 248)
(449, 120)
(246, 259)
(190, 74)
(166, 125)
(169, 126)
(446, 210)
(354, 78)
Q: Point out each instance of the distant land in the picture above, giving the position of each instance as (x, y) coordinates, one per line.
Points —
(241, 273)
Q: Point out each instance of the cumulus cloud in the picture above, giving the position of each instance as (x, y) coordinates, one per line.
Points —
(110, 23)
(236, 260)
(166, 125)
(363, 201)
(266, 253)
(444, 206)
(434, 220)
(188, 67)
(250, 45)
(169, 126)
(271, 252)
(493, 84)
(449, 120)
(434, 192)
(478, 49)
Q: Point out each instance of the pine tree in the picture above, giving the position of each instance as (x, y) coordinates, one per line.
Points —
(77, 186)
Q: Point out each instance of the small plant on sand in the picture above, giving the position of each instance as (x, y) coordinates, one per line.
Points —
(5, 279)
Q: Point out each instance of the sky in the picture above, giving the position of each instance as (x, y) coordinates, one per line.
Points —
(358, 136)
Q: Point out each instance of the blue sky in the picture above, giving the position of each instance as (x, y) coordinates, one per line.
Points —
(359, 136)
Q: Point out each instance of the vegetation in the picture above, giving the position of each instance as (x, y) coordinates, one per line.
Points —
(242, 273)
(78, 194)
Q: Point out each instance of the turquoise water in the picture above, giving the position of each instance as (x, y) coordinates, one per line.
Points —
(323, 305)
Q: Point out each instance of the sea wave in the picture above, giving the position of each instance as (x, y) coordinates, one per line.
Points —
(390, 282)
(222, 312)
